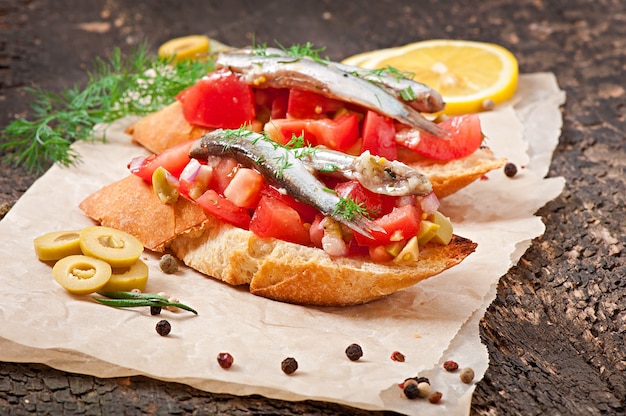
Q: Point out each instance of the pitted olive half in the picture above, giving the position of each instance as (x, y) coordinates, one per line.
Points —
(128, 278)
(116, 247)
(80, 274)
(57, 244)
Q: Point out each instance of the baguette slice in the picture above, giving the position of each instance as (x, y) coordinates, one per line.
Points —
(271, 268)
(167, 127)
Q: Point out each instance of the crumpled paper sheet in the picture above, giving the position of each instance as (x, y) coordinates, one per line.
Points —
(431, 322)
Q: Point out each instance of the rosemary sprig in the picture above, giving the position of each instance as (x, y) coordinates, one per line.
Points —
(137, 84)
(132, 300)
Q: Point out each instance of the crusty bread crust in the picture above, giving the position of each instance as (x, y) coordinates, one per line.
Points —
(166, 128)
(271, 268)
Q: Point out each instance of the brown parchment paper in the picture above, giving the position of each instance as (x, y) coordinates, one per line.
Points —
(431, 322)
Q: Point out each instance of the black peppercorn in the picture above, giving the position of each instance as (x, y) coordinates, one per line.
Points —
(289, 365)
(163, 327)
(354, 352)
(155, 310)
(422, 380)
(410, 391)
(510, 169)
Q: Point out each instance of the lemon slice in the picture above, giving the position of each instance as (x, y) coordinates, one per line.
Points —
(471, 76)
(186, 47)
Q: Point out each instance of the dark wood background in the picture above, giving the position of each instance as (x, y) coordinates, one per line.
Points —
(556, 333)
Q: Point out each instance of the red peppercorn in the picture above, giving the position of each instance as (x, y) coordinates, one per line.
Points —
(435, 397)
(450, 365)
(397, 356)
(225, 360)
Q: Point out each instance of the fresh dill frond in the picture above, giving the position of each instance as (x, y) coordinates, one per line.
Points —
(283, 164)
(349, 208)
(305, 51)
(136, 84)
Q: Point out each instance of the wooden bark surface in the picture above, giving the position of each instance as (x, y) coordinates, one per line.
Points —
(556, 332)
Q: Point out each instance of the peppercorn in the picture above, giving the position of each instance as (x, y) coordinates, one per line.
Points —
(168, 264)
(510, 169)
(435, 397)
(410, 391)
(354, 352)
(467, 375)
(397, 356)
(289, 365)
(225, 360)
(411, 380)
(422, 380)
(163, 327)
(424, 389)
(450, 365)
(155, 310)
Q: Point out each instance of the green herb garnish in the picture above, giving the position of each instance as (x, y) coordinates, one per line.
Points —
(135, 85)
(349, 208)
(132, 300)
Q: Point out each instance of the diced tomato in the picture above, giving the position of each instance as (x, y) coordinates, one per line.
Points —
(307, 104)
(271, 103)
(281, 130)
(400, 224)
(244, 189)
(222, 208)
(173, 160)
(466, 137)
(221, 100)
(379, 254)
(275, 219)
(307, 212)
(223, 173)
(356, 192)
(379, 136)
(339, 133)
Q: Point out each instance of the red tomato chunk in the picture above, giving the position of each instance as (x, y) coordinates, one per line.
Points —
(275, 219)
(220, 99)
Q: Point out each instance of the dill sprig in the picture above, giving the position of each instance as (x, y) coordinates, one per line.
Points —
(349, 208)
(137, 84)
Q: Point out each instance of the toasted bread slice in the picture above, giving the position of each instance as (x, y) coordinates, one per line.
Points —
(166, 128)
(271, 268)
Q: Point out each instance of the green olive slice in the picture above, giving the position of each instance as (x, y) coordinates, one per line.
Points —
(57, 244)
(116, 247)
(80, 274)
(128, 278)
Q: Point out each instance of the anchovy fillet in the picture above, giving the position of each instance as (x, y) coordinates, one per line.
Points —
(326, 79)
(280, 166)
(375, 173)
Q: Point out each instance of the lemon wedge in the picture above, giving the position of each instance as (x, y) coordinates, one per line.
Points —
(471, 76)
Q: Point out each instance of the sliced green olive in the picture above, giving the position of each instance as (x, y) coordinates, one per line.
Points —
(164, 185)
(80, 274)
(128, 278)
(116, 247)
(444, 233)
(427, 231)
(57, 244)
(409, 253)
